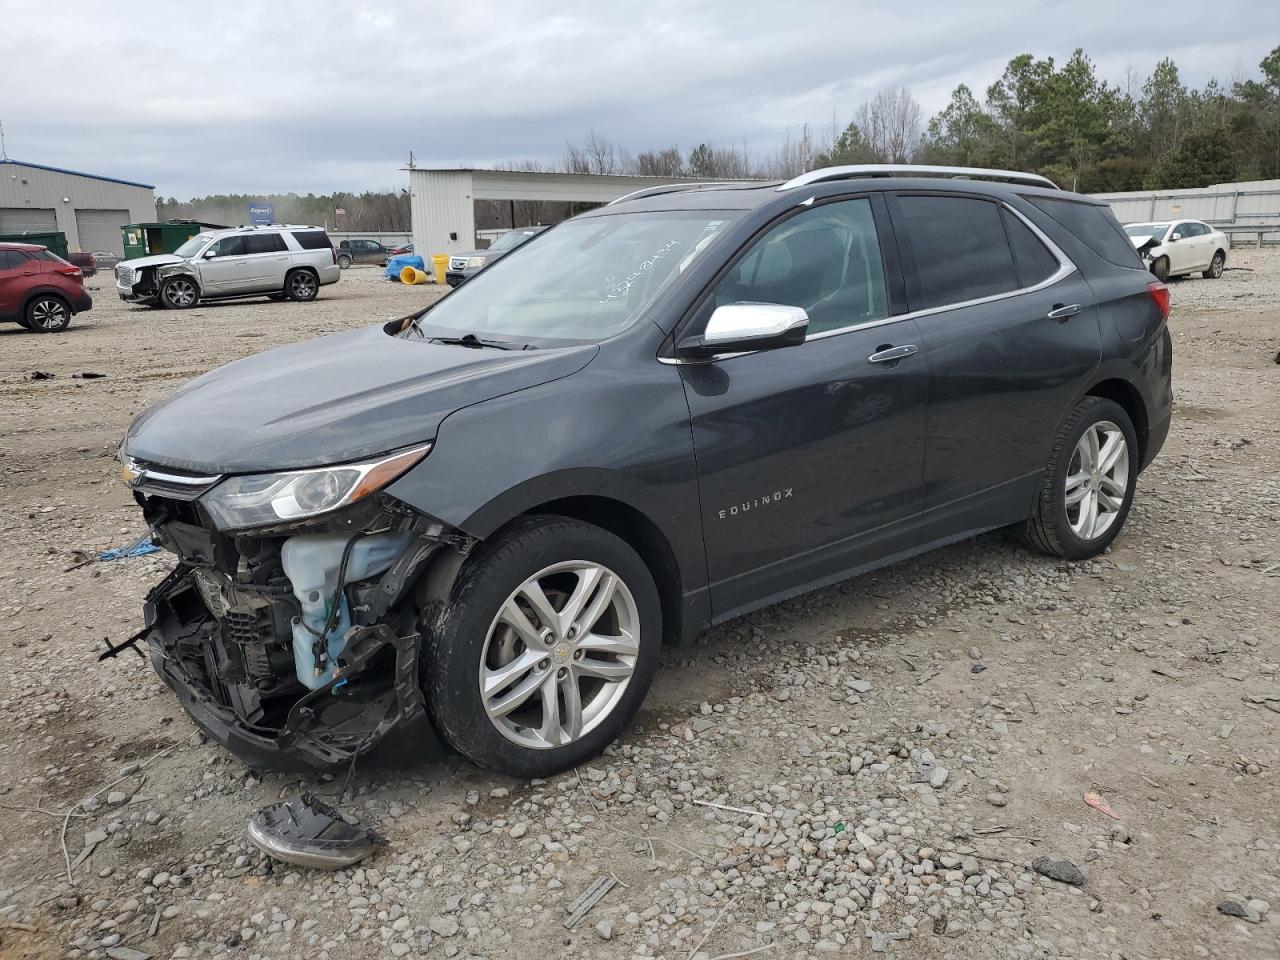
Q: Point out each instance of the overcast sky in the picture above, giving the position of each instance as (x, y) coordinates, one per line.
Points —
(316, 96)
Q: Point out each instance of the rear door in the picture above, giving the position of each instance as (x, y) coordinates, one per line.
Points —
(268, 260)
(810, 458)
(229, 269)
(1010, 331)
(15, 271)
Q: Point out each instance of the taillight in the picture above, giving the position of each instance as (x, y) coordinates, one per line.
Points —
(1160, 294)
(69, 271)
(334, 253)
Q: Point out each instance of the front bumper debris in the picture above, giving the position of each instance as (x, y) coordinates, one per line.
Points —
(307, 833)
(374, 688)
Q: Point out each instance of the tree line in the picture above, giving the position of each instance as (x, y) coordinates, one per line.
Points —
(1060, 120)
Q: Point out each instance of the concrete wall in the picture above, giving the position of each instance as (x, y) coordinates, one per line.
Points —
(1239, 209)
(24, 186)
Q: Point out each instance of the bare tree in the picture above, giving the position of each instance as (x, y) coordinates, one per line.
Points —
(891, 123)
(660, 163)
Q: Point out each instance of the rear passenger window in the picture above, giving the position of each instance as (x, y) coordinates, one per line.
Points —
(1093, 225)
(264, 243)
(313, 240)
(11, 259)
(960, 249)
(1032, 258)
(826, 260)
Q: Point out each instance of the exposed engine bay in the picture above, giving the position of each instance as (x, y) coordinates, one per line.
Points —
(297, 647)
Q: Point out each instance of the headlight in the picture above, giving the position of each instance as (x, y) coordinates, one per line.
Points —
(263, 499)
(473, 262)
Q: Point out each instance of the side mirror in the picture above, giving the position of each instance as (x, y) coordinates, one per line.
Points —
(1176, 236)
(210, 254)
(741, 327)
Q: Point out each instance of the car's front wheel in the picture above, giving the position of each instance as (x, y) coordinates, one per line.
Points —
(344, 262)
(179, 293)
(1160, 268)
(545, 648)
(47, 314)
(1088, 483)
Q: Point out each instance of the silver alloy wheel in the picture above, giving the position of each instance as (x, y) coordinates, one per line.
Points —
(180, 292)
(1097, 480)
(303, 285)
(559, 654)
(49, 314)
(1215, 267)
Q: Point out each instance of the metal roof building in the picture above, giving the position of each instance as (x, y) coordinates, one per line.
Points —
(442, 202)
(89, 209)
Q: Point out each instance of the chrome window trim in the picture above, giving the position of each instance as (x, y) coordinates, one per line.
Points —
(1065, 268)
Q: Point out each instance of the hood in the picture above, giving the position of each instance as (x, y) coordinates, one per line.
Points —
(1145, 244)
(332, 400)
(155, 260)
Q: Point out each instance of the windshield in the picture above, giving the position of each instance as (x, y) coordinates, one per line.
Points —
(511, 240)
(1140, 231)
(192, 246)
(585, 280)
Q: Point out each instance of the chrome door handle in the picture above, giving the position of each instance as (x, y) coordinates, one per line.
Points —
(1064, 311)
(891, 354)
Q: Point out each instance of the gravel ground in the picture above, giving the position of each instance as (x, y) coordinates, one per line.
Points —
(898, 765)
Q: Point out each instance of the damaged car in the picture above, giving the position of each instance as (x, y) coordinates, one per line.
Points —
(278, 262)
(652, 418)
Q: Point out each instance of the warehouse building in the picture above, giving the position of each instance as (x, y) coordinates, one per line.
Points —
(89, 209)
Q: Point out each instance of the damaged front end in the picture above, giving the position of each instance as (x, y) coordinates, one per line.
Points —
(295, 645)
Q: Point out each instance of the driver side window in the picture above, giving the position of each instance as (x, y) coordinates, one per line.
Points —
(229, 247)
(825, 260)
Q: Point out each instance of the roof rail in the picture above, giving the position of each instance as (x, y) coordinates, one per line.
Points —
(668, 188)
(856, 170)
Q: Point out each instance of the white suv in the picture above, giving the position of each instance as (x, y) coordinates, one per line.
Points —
(283, 262)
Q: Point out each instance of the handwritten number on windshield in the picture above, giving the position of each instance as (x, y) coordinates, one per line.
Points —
(623, 287)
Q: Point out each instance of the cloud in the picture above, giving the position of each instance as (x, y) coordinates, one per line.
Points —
(248, 97)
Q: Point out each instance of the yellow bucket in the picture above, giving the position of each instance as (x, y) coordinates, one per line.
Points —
(414, 275)
(440, 263)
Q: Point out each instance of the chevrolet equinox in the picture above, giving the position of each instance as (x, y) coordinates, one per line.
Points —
(654, 417)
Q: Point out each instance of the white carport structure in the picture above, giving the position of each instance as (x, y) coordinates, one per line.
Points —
(442, 202)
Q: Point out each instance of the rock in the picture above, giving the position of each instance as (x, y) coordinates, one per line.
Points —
(518, 831)
(117, 797)
(997, 799)
(1064, 871)
(604, 930)
(1233, 908)
(859, 686)
(443, 926)
(938, 777)
(126, 953)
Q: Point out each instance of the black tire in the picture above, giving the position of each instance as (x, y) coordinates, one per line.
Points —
(1160, 268)
(454, 641)
(301, 285)
(179, 293)
(344, 262)
(47, 313)
(1048, 530)
(1216, 266)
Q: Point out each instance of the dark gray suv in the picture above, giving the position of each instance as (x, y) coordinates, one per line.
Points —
(651, 418)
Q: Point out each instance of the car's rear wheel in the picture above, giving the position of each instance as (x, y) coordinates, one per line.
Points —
(1160, 268)
(301, 285)
(545, 648)
(1216, 266)
(1088, 483)
(179, 293)
(47, 313)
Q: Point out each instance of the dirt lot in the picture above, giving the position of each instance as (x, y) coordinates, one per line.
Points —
(868, 769)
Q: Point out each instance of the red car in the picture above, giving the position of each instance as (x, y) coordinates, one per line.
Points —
(38, 289)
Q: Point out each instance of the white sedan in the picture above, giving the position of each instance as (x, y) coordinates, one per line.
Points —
(1177, 248)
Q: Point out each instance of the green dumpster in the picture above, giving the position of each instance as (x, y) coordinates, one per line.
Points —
(56, 242)
(146, 239)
